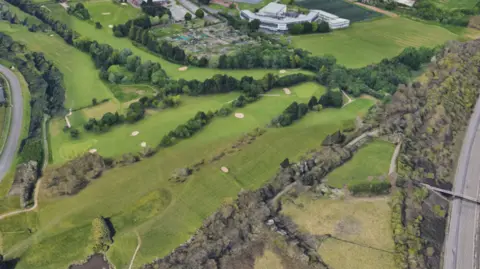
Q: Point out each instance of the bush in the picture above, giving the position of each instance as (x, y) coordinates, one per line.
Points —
(370, 188)
(199, 13)
(32, 150)
(100, 237)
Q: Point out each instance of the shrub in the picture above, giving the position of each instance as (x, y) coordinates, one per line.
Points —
(32, 150)
(100, 237)
(370, 188)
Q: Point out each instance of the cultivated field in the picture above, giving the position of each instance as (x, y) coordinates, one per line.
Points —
(369, 42)
(80, 75)
(340, 8)
(161, 210)
(368, 163)
(360, 227)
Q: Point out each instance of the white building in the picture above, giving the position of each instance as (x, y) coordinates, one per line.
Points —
(274, 17)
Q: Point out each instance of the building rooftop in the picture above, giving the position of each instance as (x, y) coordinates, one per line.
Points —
(273, 8)
(286, 20)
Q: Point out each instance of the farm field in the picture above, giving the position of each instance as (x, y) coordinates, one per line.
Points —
(361, 224)
(372, 160)
(105, 35)
(80, 75)
(161, 210)
(151, 129)
(340, 8)
(369, 42)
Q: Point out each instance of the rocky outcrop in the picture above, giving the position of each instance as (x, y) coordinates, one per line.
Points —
(26, 176)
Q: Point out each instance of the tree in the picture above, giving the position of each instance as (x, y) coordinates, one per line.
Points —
(188, 16)
(74, 133)
(323, 27)
(199, 13)
(94, 102)
(98, 25)
(296, 29)
(254, 25)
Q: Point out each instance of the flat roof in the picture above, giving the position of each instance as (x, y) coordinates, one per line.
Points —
(272, 8)
(285, 20)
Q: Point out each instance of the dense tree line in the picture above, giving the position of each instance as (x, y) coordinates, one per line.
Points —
(296, 111)
(429, 10)
(135, 112)
(45, 83)
(188, 129)
(79, 11)
(308, 28)
(151, 9)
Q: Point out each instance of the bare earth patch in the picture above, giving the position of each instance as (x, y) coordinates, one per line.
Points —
(134, 133)
(183, 68)
(287, 91)
(239, 115)
(224, 169)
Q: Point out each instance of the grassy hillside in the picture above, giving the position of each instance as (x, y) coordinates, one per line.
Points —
(371, 161)
(158, 123)
(165, 213)
(369, 42)
(80, 76)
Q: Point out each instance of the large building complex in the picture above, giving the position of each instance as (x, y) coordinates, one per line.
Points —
(274, 17)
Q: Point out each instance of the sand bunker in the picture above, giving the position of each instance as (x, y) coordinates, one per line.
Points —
(283, 71)
(224, 169)
(135, 133)
(287, 91)
(143, 144)
(106, 13)
(239, 115)
(183, 68)
(92, 150)
(110, 26)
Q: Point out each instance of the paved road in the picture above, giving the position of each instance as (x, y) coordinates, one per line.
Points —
(8, 154)
(462, 242)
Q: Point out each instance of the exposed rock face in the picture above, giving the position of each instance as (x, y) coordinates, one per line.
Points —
(73, 176)
(26, 176)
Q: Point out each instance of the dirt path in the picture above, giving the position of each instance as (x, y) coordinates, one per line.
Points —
(348, 97)
(379, 10)
(393, 162)
(136, 250)
(67, 120)
(35, 204)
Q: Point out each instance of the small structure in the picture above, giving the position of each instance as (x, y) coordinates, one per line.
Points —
(2, 95)
(274, 17)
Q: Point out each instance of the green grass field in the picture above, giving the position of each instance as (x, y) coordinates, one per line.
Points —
(369, 42)
(370, 161)
(155, 126)
(164, 213)
(363, 223)
(80, 75)
(109, 13)
(452, 4)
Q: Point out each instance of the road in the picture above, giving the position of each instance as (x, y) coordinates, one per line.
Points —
(462, 240)
(8, 154)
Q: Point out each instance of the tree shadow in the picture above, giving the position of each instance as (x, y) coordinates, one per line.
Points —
(110, 227)
(11, 264)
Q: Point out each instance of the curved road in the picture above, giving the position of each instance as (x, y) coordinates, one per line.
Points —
(462, 240)
(11, 144)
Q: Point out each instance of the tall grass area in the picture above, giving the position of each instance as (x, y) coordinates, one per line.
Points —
(363, 225)
(105, 35)
(80, 75)
(165, 214)
(372, 161)
(369, 42)
(119, 140)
